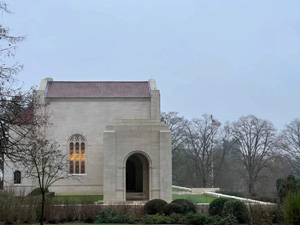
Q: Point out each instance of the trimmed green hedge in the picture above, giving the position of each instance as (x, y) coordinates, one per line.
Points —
(154, 206)
(170, 208)
(216, 206)
(187, 205)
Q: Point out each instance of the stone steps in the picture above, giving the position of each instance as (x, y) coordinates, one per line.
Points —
(136, 196)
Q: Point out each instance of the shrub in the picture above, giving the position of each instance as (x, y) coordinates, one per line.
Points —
(216, 206)
(170, 208)
(148, 219)
(154, 206)
(8, 205)
(190, 218)
(36, 192)
(187, 205)
(236, 208)
(198, 219)
(105, 216)
(284, 187)
(176, 218)
(157, 219)
(88, 212)
(291, 207)
(195, 218)
(277, 213)
(228, 220)
(16, 209)
(50, 194)
(261, 214)
(113, 216)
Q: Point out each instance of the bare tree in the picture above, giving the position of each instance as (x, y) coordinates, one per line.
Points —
(177, 126)
(12, 99)
(15, 116)
(46, 163)
(256, 139)
(8, 46)
(225, 146)
(202, 137)
(9, 93)
(188, 167)
(41, 159)
(291, 142)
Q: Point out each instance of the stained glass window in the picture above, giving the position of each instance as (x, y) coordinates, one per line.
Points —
(82, 158)
(71, 157)
(77, 155)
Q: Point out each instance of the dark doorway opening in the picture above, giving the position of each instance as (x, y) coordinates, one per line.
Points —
(137, 178)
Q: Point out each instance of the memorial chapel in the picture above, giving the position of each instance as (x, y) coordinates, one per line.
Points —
(113, 136)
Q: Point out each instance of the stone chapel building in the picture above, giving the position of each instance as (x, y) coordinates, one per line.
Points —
(113, 136)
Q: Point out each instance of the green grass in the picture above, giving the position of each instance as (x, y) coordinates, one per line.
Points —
(178, 190)
(77, 199)
(195, 198)
(86, 199)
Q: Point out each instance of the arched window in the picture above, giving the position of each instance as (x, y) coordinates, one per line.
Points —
(77, 154)
(17, 177)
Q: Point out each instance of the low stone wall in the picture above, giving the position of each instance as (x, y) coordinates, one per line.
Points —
(19, 190)
(246, 200)
(185, 189)
(202, 208)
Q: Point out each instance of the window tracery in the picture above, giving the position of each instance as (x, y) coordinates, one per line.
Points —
(77, 154)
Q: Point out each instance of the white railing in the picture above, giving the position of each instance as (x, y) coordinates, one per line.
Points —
(248, 200)
(182, 188)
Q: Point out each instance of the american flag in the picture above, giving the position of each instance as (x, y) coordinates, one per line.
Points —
(215, 122)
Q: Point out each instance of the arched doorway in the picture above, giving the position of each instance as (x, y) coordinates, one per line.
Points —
(137, 177)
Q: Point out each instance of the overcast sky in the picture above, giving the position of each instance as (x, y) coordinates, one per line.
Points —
(228, 58)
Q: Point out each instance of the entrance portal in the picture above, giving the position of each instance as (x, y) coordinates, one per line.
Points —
(137, 177)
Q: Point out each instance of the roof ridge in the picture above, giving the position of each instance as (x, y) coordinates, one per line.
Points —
(90, 89)
(99, 81)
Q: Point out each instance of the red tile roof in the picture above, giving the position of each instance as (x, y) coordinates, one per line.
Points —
(26, 116)
(86, 89)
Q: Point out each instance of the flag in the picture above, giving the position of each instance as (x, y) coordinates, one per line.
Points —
(214, 122)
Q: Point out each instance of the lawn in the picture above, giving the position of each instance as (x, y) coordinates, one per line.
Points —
(200, 198)
(86, 199)
(77, 199)
(174, 189)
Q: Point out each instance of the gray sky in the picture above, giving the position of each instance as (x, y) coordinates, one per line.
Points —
(228, 58)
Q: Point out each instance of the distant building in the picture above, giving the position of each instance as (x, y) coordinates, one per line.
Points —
(113, 136)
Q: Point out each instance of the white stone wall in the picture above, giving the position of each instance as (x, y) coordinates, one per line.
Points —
(150, 138)
(108, 146)
(204, 190)
(26, 185)
(87, 117)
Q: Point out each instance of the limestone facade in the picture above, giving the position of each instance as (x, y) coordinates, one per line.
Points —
(125, 148)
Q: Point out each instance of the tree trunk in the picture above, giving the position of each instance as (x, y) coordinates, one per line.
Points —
(251, 189)
(43, 207)
(204, 182)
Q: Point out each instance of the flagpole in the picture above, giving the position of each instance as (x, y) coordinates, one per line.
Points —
(214, 123)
